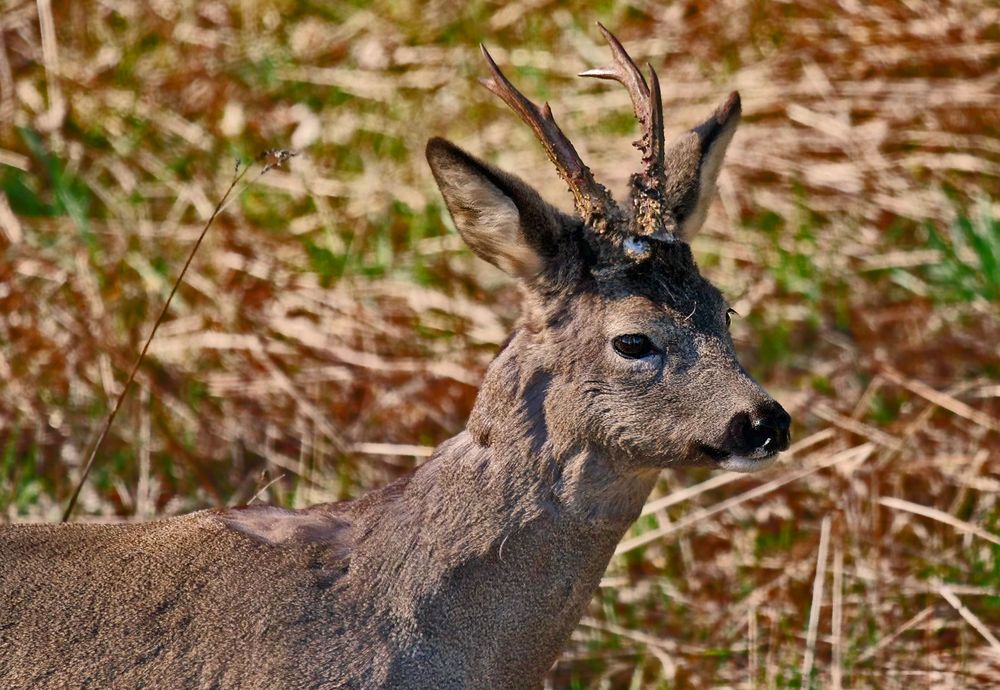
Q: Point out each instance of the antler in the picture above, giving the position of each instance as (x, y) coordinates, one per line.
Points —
(645, 101)
(593, 201)
(650, 213)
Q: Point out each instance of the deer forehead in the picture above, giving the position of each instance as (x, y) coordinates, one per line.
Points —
(632, 313)
(666, 288)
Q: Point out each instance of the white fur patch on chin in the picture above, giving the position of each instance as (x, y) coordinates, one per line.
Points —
(738, 463)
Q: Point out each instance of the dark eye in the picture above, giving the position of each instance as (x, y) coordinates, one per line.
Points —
(633, 345)
(729, 320)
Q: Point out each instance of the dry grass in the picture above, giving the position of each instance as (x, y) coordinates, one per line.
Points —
(332, 328)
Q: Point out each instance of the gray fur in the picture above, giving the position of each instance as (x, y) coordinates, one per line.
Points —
(469, 573)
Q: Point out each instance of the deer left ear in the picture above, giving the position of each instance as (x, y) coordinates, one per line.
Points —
(697, 156)
(501, 218)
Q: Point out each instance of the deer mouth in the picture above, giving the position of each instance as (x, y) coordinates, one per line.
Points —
(713, 453)
(723, 459)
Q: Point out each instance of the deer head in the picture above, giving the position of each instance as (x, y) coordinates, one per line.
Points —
(623, 346)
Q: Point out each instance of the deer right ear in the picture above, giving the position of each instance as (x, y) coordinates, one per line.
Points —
(501, 218)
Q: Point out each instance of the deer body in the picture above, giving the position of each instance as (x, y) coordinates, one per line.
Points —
(472, 571)
(380, 592)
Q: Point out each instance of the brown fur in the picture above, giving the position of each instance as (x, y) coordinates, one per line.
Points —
(472, 571)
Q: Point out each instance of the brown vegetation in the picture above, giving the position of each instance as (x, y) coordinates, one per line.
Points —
(332, 329)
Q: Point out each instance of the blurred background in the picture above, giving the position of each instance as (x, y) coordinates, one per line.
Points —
(333, 329)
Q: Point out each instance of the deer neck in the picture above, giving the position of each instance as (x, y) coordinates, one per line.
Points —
(510, 528)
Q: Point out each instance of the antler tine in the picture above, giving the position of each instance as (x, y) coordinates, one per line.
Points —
(592, 199)
(648, 107)
(656, 136)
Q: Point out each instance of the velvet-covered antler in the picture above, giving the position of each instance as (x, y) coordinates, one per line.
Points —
(593, 201)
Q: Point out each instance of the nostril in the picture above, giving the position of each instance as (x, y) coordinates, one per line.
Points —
(740, 431)
(763, 436)
(772, 424)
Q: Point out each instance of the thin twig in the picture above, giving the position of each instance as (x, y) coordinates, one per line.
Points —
(940, 516)
(752, 645)
(265, 488)
(970, 618)
(56, 112)
(942, 400)
(143, 490)
(270, 159)
(889, 639)
(837, 623)
(637, 635)
(393, 449)
(817, 603)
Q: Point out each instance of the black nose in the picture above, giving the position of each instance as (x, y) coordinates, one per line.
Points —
(763, 430)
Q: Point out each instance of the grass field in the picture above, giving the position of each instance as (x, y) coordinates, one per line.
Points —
(333, 329)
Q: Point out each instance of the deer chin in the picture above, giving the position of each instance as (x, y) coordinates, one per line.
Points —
(724, 460)
(740, 463)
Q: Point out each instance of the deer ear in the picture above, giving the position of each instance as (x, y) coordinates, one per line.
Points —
(704, 146)
(502, 219)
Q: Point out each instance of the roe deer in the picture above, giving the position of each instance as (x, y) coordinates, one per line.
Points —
(472, 571)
